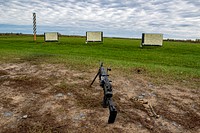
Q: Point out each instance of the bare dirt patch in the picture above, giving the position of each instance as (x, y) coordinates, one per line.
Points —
(56, 98)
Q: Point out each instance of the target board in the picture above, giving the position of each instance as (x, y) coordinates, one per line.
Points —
(150, 39)
(94, 36)
(51, 36)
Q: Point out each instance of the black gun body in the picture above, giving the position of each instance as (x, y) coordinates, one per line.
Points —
(107, 100)
(105, 83)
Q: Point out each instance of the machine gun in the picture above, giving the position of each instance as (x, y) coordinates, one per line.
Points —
(107, 88)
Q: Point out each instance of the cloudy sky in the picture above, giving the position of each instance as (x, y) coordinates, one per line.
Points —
(116, 18)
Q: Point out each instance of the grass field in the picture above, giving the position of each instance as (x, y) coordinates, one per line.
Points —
(174, 59)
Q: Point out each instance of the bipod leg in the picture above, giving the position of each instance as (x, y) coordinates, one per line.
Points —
(95, 78)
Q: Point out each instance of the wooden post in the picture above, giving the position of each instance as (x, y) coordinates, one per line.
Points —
(34, 37)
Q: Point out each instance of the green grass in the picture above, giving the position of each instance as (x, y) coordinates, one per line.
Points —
(177, 59)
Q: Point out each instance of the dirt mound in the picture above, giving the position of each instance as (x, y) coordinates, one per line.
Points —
(56, 98)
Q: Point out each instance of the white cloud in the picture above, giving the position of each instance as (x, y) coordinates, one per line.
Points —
(173, 18)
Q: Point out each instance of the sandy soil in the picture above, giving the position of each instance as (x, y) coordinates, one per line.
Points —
(56, 98)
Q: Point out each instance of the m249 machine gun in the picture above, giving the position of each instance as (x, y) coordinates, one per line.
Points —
(107, 88)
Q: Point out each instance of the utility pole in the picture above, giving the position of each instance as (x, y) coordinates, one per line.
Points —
(34, 26)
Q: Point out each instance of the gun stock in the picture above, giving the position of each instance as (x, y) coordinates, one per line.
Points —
(113, 112)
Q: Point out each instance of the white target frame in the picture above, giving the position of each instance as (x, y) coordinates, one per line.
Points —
(152, 39)
(94, 36)
(51, 37)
